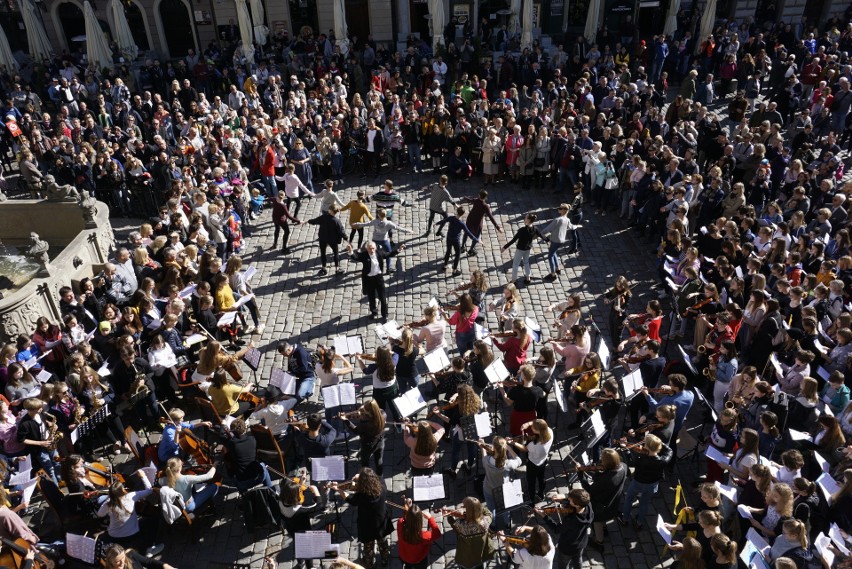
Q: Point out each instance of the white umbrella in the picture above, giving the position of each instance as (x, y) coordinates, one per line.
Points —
(121, 30)
(436, 10)
(671, 18)
(514, 23)
(6, 57)
(261, 32)
(527, 33)
(246, 36)
(39, 46)
(341, 31)
(592, 18)
(97, 48)
(708, 20)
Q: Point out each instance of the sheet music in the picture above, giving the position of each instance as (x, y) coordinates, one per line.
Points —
(81, 547)
(560, 397)
(187, 291)
(716, 455)
(104, 370)
(194, 339)
(482, 333)
(822, 543)
(663, 530)
(30, 363)
(597, 423)
(27, 489)
(497, 371)
(729, 492)
(75, 435)
(773, 359)
(243, 300)
(328, 468)
(429, 488)
(252, 358)
(227, 318)
(20, 478)
(348, 345)
(338, 395)
(283, 381)
(758, 541)
(43, 376)
(799, 435)
(51, 345)
(410, 402)
(389, 329)
(687, 359)
(837, 537)
(155, 324)
(314, 545)
(25, 464)
(436, 360)
(513, 494)
(433, 302)
(483, 425)
(632, 383)
(828, 485)
(250, 272)
(744, 512)
(604, 353)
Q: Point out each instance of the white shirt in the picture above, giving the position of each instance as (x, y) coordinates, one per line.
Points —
(371, 136)
(275, 415)
(526, 560)
(375, 269)
(537, 452)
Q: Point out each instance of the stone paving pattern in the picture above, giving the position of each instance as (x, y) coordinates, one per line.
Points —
(297, 303)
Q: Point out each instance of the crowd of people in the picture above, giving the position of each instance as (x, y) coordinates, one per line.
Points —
(738, 181)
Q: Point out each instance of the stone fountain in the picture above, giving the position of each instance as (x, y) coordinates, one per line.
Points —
(45, 245)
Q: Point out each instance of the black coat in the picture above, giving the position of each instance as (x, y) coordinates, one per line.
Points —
(606, 489)
(330, 228)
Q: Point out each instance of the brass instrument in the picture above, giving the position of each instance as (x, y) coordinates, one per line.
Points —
(54, 435)
(709, 372)
(79, 413)
(702, 349)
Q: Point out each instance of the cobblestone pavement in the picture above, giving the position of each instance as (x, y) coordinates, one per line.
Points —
(297, 303)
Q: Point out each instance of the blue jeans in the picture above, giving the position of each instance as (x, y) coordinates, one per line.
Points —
(501, 520)
(645, 491)
(406, 383)
(306, 388)
(455, 453)
(270, 185)
(386, 245)
(521, 256)
(464, 341)
(414, 156)
(553, 256)
(199, 498)
(263, 477)
(44, 460)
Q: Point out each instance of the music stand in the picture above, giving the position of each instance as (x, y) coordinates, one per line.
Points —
(702, 424)
(508, 497)
(593, 429)
(252, 360)
(328, 469)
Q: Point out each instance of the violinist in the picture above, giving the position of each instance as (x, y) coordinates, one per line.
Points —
(507, 307)
(678, 396)
(500, 461)
(331, 367)
(568, 313)
(433, 330)
(652, 317)
(537, 449)
(316, 440)
(465, 403)
(241, 449)
(275, 414)
(447, 383)
(422, 440)
(635, 349)
(618, 297)
(82, 501)
(545, 366)
(605, 487)
(125, 526)
(117, 557)
(184, 484)
(371, 430)
(523, 399)
(648, 460)
(225, 396)
(694, 299)
(471, 525)
(606, 398)
(373, 516)
(705, 314)
(584, 378)
(536, 553)
(407, 352)
(413, 542)
(480, 358)
(573, 528)
(477, 287)
(574, 347)
(169, 446)
(383, 372)
(297, 514)
(662, 426)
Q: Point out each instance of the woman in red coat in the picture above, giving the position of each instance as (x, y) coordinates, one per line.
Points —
(413, 542)
(514, 142)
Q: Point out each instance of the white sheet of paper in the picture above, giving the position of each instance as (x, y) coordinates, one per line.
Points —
(25, 464)
(429, 488)
(663, 530)
(43, 376)
(837, 537)
(283, 381)
(497, 371)
(104, 370)
(30, 363)
(410, 402)
(150, 473)
(81, 547)
(75, 436)
(226, 319)
(604, 353)
(828, 485)
(392, 329)
(481, 332)
(194, 339)
(716, 455)
(823, 464)
(800, 435)
(560, 397)
(187, 291)
(436, 360)
(773, 359)
(744, 512)
(27, 489)
(513, 494)
(433, 302)
(328, 468)
(227, 420)
(730, 492)
(314, 544)
(51, 345)
(339, 395)
(154, 324)
(20, 478)
(597, 422)
(822, 543)
(632, 383)
(250, 272)
(687, 359)
(758, 541)
(243, 300)
(483, 425)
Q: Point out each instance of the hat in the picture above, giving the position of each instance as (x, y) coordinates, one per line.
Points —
(272, 393)
(105, 326)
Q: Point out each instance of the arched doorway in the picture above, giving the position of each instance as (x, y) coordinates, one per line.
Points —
(177, 27)
(304, 13)
(137, 25)
(73, 24)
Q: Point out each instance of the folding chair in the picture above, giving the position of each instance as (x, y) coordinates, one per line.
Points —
(268, 450)
(144, 454)
(208, 413)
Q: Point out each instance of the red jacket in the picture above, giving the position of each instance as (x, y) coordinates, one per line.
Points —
(810, 73)
(267, 162)
(415, 553)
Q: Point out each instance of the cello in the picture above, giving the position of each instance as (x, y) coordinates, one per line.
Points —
(16, 553)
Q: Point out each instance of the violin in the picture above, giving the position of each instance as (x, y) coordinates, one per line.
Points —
(592, 403)
(635, 446)
(697, 306)
(417, 324)
(517, 541)
(101, 475)
(367, 357)
(550, 510)
(13, 554)
(588, 468)
(502, 335)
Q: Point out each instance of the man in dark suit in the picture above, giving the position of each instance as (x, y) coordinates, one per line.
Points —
(372, 279)
(838, 212)
(651, 370)
(374, 148)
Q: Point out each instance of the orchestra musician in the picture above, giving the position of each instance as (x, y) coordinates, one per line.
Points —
(568, 313)
(523, 399)
(606, 488)
(274, 411)
(480, 358)
(225, 396)
(689, 301)
(184, 484)
(299, 366)
(373, 515)
(316, 440)
(297, 514)
(131, 377)
(723, 438)
(584, 378)
(34, 433)
(537, 551)
(677, 395)
(126, 527)
(635, 349)
(118, 557)
(648, 460)
(433, 330)
(703, 311)
(499, 460)
(169, 446)
(607, 398)
(618, 297)
(464, 319)
(331, 367)
(471, 523)
(507, 308)
(241, 449)
(422, 440)
(413, 542)
(448, 382)
(407, 352)
(537, 448)
(371, 430)
(385, 386)
(477, 288)
(574, 347)
(464, 403)
(724, 369)
(573, 528)
(652, 317)
(545, 366)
